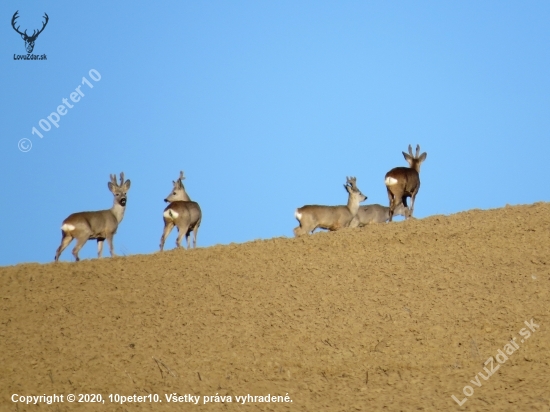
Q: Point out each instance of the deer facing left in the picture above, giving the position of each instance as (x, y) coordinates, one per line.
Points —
(181, 212)
(100, 225)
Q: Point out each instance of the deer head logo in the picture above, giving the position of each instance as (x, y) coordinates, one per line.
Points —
(29, 40)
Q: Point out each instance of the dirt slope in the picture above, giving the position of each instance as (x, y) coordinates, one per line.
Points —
(394, 317)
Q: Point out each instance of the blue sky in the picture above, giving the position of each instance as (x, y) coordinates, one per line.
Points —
(266, 106)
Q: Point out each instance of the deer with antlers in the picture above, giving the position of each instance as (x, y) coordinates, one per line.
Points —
(29, 40)
(181, 212)
(100, 225)
(403, 182)
(331, 218)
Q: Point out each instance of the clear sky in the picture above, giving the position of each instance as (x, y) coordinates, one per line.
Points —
(266, 106)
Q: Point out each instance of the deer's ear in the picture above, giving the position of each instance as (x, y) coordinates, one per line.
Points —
(111, 187)
(127, 185)
(423, 157)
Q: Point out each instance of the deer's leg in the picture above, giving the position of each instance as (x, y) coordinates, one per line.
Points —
(404, 201)
(391, 198)
(195, 231)
(308, 224)
(80, 241)
(111, 245)
(398, 198)
(65, 240)
(413, 196)
(188, 237)
(298, 231)
(310, 229)
(303, 229)
(181, 231)
(168, 226)
(99, 247)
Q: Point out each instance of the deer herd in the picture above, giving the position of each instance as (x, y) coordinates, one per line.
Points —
(186, 215)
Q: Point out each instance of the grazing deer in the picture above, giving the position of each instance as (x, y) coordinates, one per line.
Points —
(332, 218)
(182, 212)
(403, 182)
(99, 225)
(377, 214)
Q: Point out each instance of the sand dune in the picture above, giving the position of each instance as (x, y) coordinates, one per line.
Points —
(395, 317)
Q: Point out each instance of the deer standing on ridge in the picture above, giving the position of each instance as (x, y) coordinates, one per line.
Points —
(332, 218)
(181, 212)
(100, 225)
(377, 214)
(403, 182)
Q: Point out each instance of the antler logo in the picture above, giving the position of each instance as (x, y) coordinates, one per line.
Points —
(29, 40)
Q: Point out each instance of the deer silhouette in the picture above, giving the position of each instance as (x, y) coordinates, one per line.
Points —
(29, 40)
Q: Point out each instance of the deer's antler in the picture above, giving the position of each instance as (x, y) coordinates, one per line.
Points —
(352, 182)
(15, 16)
(35, 33)
(43, 26)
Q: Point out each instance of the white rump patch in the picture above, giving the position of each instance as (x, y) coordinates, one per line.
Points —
(390, 181)
(67, 227)
(171, 214)
(298, 215)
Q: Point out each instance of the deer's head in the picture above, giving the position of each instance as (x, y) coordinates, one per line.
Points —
(119, 190)
(178, 193)
(416, 160)
(29, 40)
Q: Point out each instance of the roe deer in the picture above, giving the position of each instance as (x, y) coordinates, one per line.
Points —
(377, 214)
(99, 225)
(182, 212)
(332, 218)
(403, 182)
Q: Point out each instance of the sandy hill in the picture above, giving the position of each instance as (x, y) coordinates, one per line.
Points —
(395, 317)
